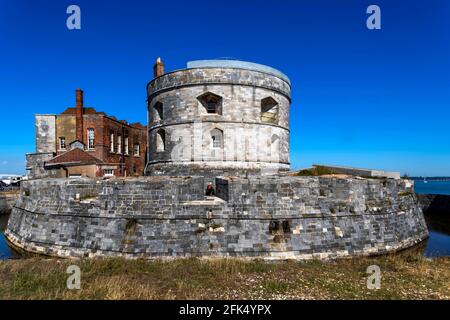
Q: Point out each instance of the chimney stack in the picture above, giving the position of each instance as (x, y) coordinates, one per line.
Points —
(79, 115)
(158, 68)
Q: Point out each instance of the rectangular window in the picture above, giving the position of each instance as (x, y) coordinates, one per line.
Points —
(91, 138)
(126, 146)
(62, 143)
(111, 142)
(136, 150)
(108, 172)
(217, 142)
(211, 107)
(119, 144)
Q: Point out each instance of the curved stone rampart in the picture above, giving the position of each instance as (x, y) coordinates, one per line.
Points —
(218, 76)
(273, 217)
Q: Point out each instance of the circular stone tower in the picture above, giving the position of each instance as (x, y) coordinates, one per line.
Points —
(218, 117)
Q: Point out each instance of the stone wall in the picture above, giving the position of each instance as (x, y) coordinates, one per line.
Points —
(230, 75)
(436, 208)
(45, 126)
(7, 200)
(366, 173)
(178, 117)
(35, 165)
(435, 203)
(278, 217)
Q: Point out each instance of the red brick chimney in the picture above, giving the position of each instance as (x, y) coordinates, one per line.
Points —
(79, 115)
(158, 68)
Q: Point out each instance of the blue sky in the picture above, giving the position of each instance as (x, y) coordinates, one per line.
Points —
(365, 98)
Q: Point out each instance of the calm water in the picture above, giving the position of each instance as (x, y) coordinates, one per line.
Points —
(5, 253)
(432, 187)
(437, 245)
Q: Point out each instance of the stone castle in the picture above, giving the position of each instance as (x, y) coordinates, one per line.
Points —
(227, 123)
(218, 117)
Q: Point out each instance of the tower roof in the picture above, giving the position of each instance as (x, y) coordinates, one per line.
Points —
(226, 63)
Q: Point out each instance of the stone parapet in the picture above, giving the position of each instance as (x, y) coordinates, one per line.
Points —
(218, 76)
(273, 217)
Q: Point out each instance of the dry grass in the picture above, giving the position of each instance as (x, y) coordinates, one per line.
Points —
(316, 171)
(13, 192)
(403, 277)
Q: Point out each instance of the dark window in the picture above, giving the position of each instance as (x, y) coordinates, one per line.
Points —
(159, 114)
(160, 141)
(212, 107)
(211, 102)
(62, 143)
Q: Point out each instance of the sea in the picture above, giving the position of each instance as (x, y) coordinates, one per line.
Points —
(437, 245)
(432, 187)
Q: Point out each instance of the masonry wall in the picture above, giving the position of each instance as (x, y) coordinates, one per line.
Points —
(35, 165)
(435, 204)
(129, 163)
(267, 217)
(118, 161)
(45, 127)
(249, 143)
(7, 200)
(65, 127)
(84, 171)
(49, 128)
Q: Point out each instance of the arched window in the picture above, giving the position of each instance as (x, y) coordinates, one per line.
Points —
(160, 140)
(217, 138)
(159, 114)
(211, 102)
(269, 110)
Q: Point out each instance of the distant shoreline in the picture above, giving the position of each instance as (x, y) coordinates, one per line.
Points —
(431, 178)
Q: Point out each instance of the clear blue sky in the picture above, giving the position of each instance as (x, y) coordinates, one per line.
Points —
(378, 99)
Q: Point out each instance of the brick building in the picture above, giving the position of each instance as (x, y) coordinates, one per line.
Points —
(83, 142)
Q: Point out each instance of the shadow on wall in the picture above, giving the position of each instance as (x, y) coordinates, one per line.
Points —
(436, 209)
(3, 222)
(7, 200)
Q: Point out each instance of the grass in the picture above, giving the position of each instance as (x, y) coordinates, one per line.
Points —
(315, 171)
(8, 192)
(404, 276)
